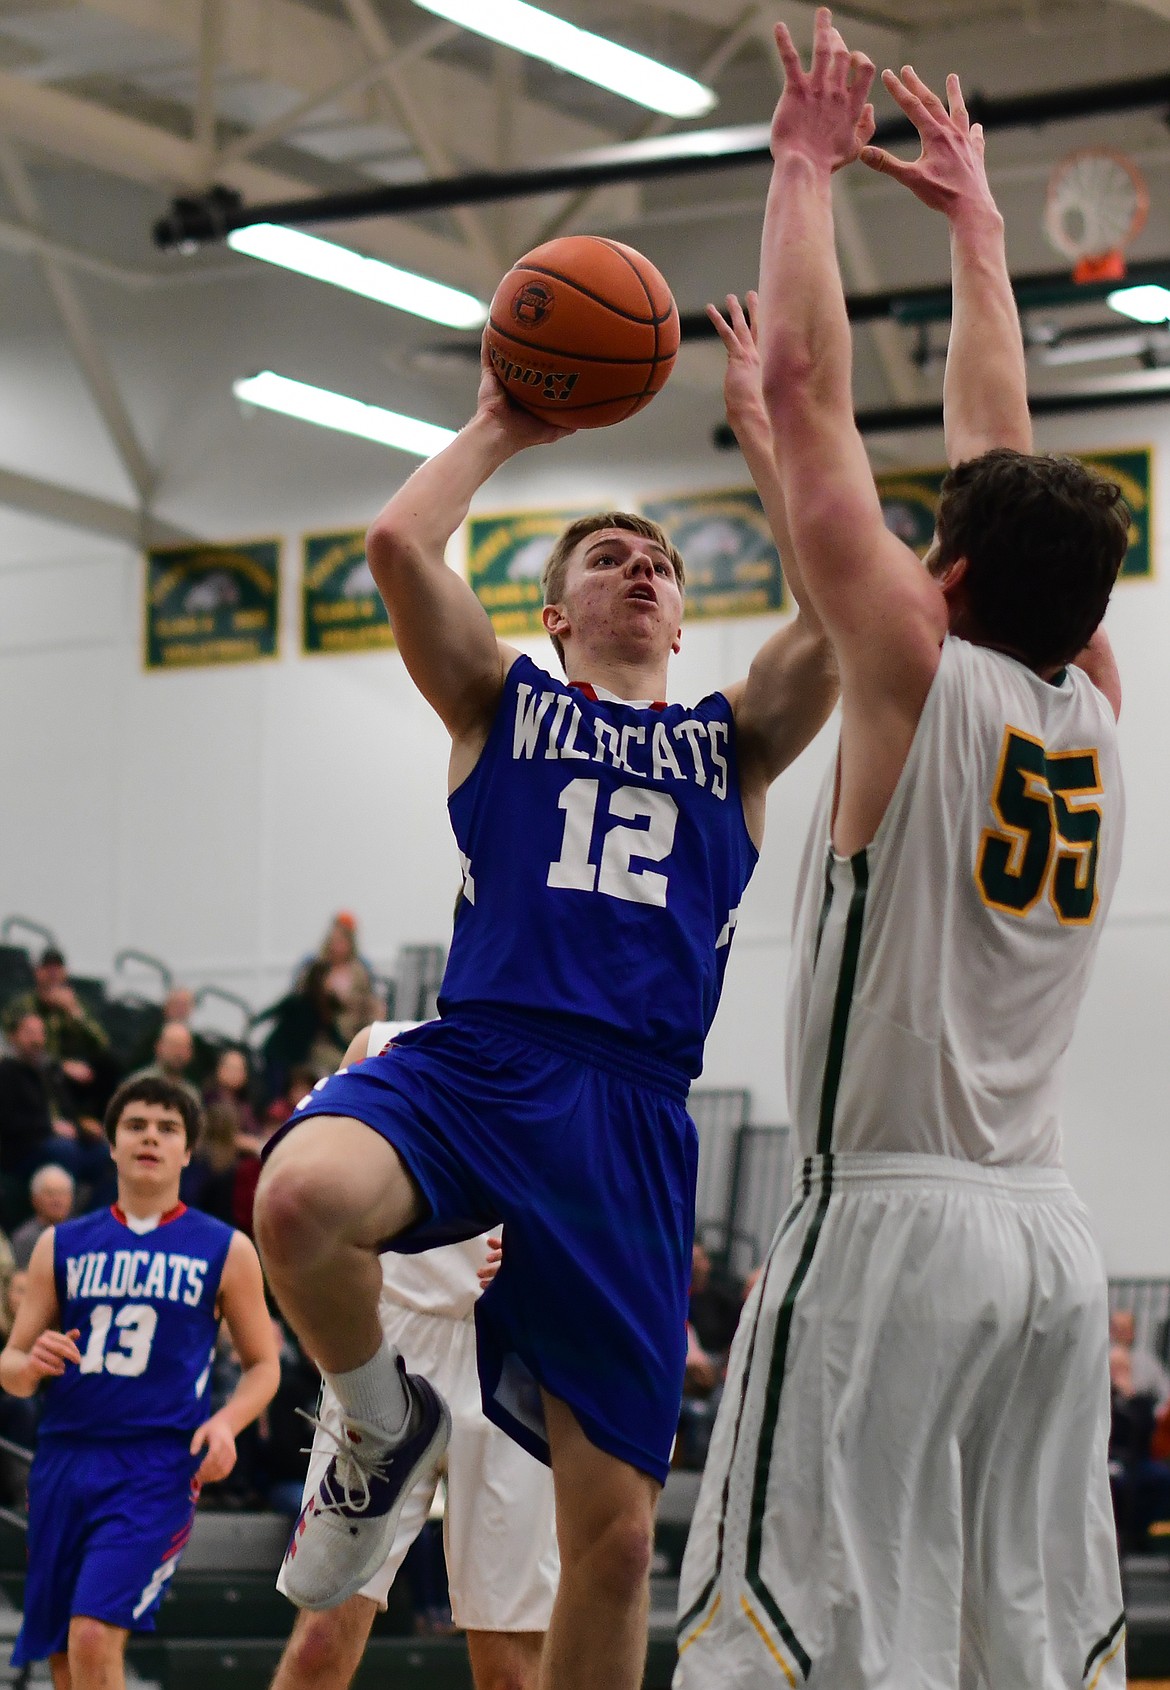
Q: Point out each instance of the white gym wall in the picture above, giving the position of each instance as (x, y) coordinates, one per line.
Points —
(217, 817)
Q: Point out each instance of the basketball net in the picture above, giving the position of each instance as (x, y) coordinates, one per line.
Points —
(1097, 203)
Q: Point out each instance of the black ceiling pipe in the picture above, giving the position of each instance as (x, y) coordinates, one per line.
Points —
(895, 418)
(195, 220)
(1039, 290)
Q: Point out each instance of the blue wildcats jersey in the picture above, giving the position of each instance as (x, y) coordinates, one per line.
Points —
(144, 1304)
(604, 854)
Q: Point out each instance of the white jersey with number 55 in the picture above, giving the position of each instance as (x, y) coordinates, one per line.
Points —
(937, 975)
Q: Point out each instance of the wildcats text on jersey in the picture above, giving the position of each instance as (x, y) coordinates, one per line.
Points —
(164, 1275)
(549, 723)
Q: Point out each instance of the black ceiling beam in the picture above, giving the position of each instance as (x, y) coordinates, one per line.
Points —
(196, 220)
(914, 418)
(1039, 290)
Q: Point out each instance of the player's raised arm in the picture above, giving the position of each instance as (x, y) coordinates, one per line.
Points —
(884, 615)
(985, 389)
(35, 1349)
(442, 630)
(792, 684)
(242, 1304)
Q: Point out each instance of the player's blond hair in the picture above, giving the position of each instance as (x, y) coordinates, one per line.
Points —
(552, 579)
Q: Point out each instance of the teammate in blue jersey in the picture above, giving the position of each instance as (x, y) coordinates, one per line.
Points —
(118, 1325)
(606, 839)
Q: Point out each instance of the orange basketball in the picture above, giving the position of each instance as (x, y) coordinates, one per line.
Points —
(583, 331)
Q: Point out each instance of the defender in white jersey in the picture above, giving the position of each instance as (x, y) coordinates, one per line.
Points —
(907, 1484)
(499, 1533)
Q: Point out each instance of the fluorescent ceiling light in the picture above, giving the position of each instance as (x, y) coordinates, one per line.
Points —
(591, 57)
(1148, 304)
(349, 416)
(688, 143)
(326, 262)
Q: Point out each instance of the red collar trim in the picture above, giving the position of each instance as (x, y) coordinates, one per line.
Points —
(589, 691)
(119, 1214)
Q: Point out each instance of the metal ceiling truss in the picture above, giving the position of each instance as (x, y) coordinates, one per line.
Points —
(197, 220)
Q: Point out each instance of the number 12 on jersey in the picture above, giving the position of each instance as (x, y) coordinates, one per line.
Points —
(1045, 840)
(616, 878)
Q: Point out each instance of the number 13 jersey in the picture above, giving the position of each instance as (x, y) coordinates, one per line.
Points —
(144, 1304)
(937, 975)
(604, 854)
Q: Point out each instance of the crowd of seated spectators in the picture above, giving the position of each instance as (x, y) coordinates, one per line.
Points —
(58, 1070)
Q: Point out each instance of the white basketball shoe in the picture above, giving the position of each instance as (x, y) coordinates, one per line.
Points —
(346, 1529)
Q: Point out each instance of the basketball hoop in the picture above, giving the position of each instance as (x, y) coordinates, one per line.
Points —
(1097, 202)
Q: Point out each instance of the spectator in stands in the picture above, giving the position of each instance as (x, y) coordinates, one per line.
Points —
(31, 1131)
(52, 1191)
(209, 1179)
(340, 992)
(1145, 1373)
(73, 1039)
(714, 1306)
(1140, 1483)
(8, 1273)
(173, 1051)
(18, 1415)
(230, 1088)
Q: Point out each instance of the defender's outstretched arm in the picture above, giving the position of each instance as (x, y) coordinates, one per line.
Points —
(884, 615)
(985, 388)
(792, 684)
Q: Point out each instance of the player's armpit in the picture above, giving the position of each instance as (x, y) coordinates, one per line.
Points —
(789, 692)
(1100, 665)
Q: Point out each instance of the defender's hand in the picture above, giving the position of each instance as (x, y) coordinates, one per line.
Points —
(220, 1442)
(52, 1353)
(824, 116)
(949, 173)
(743, 392)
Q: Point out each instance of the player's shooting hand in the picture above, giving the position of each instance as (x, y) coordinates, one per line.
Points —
(52, 1353)
(743, 392)
(824, 114)
(949, 172)
(217, 1437)
(491, 1266)
(519, 426)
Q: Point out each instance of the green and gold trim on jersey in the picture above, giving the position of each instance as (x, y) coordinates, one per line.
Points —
(1102, 1652)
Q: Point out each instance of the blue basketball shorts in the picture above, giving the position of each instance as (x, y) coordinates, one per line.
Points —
(587, 1156)
(107, 1523)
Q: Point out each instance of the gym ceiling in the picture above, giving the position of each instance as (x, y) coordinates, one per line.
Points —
(110, 109)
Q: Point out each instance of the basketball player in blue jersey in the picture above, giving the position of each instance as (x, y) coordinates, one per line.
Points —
(118, 1325)
(606, 839)
(907, 1485)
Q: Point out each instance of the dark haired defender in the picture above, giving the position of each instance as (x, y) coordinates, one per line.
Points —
(907, 1485)
(118, 1324)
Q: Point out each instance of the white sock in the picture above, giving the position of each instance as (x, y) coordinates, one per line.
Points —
(374, 1392)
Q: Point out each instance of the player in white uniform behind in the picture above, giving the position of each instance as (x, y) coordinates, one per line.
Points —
(499, 1532)
(907, 1484)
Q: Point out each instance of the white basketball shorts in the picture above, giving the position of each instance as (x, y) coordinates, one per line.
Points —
(907, 1485)
(498, 1525)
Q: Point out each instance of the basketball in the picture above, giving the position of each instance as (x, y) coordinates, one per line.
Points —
(583, 331)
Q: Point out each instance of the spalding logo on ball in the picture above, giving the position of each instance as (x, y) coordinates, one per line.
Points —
(583, 331)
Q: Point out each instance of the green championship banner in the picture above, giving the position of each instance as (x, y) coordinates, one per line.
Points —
(506, 556)
(733, 568)
(341, 608)
(1132, 468)
(910, 498)
(208, 604)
